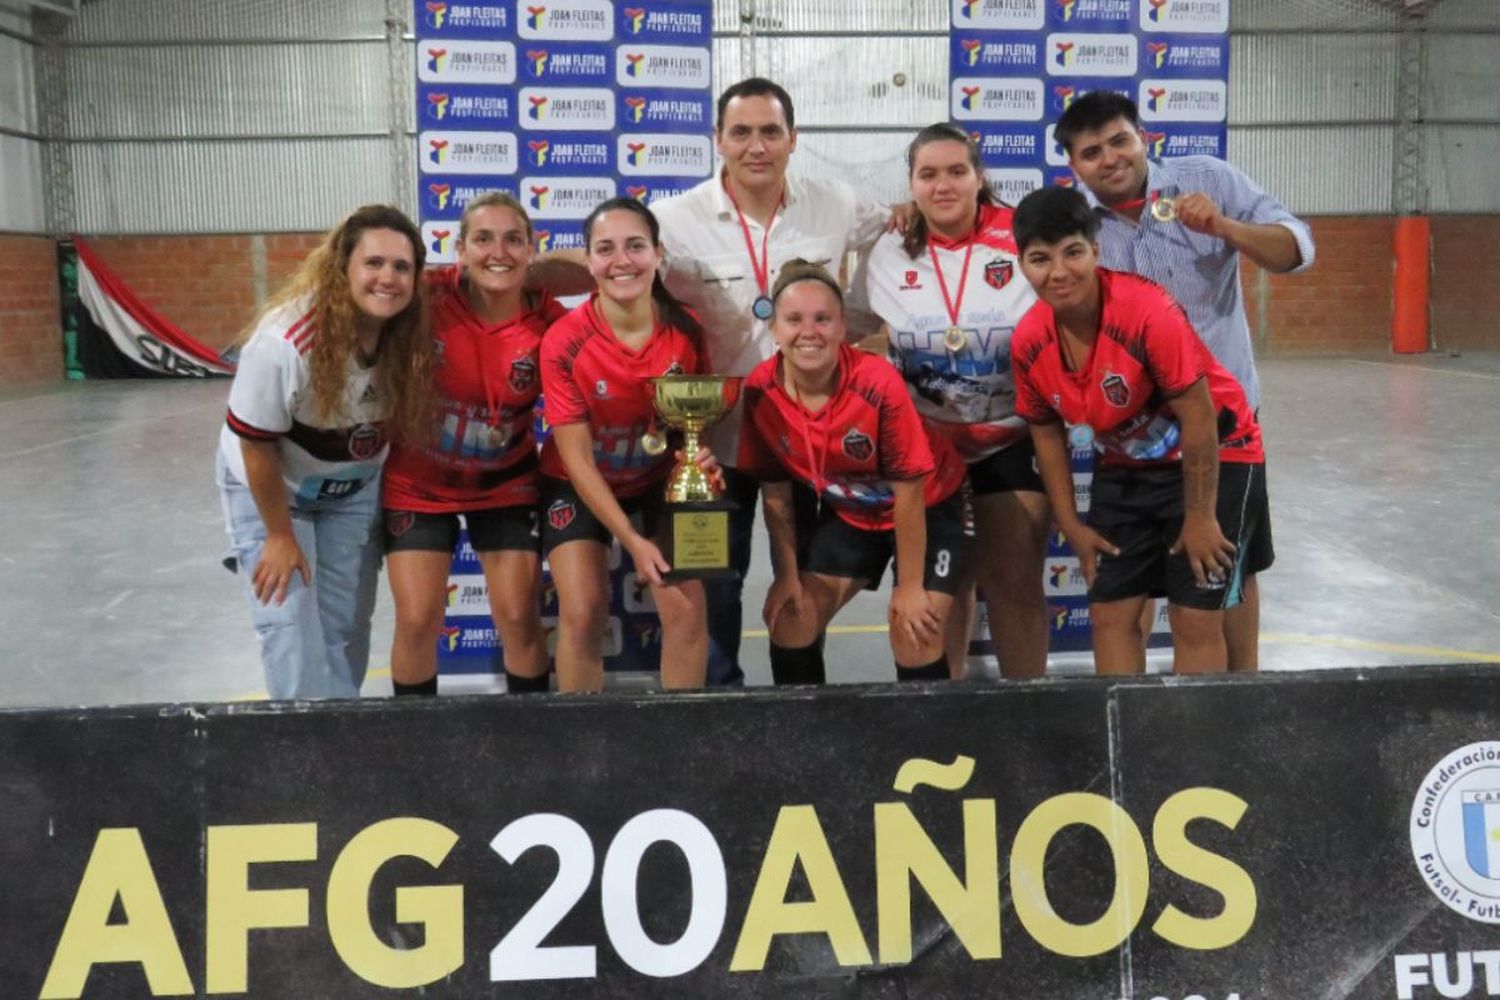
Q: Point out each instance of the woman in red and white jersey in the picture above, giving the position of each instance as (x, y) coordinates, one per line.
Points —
(598, 470)
(840, 421)
(480, 460)
(951, 293)
(1108, 360)
(339, 362)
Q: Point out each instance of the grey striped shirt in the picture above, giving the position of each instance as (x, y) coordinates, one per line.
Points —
(1202, 272)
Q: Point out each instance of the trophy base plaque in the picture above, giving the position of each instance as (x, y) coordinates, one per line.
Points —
(694, 539)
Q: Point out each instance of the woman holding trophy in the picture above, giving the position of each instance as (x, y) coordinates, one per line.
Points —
(607, 457)
(841, 421)
(951, 293)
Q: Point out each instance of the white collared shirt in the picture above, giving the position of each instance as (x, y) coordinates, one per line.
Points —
(708, 265)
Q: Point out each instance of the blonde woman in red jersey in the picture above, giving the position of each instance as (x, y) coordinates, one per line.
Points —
(481, 460)
(596, 472)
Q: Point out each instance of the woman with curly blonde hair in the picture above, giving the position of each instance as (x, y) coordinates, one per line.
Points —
(339, 361)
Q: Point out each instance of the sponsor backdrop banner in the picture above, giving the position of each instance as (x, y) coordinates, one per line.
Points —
(1065, 840)
(563, 105)
(1016, 65)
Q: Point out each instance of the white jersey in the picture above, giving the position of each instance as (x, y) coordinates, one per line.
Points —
(968, 395)
(271, 400)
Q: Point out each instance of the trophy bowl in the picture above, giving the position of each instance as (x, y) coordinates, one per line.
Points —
(692, 403)
(694, 533)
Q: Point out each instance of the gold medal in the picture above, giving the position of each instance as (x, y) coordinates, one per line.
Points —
(1164, 209)
(653, 443)
(955, 339)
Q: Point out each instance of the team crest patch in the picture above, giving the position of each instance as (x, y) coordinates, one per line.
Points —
(997, 273)
(522, 374)
(1116, 390)
(399, 522)
(365, 441)
(858, 446)
(561, 514)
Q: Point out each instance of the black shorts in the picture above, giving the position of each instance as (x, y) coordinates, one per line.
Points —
(1140, 511)
(840, 549)
(566, 518)
(1011, 470)
(495, 529)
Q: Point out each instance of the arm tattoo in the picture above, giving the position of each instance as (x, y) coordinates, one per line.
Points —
(1200, 477)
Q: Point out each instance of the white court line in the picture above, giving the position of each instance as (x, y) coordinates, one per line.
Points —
(1423, 368)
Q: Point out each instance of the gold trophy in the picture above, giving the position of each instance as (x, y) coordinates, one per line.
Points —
(694, 535)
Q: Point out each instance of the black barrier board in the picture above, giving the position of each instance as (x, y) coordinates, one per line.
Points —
(1287, 837)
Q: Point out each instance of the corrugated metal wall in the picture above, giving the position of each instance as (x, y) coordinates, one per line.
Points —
(228, 115)
(22, 209)
(260, 115)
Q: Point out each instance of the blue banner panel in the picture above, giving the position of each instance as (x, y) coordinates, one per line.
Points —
(563, 105)
(1016, 65)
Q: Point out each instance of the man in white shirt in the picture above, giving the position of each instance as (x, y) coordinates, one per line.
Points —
(726, 241)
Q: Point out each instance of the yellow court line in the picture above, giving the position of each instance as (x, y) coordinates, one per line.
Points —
(1489, 376)
(1276, 638)
(760, 633)
(261, 695)
(1343, 642)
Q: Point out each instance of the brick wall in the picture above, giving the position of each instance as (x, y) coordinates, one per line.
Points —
(30, 327)
(1465, 282)
(210, 286)
(1344, 304)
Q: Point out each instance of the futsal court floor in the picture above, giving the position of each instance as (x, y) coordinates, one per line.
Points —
(1382, 479)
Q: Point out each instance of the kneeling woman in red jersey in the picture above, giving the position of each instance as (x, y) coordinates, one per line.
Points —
(596, 473)
(481, 458)
(841, 421)
(1109, 359)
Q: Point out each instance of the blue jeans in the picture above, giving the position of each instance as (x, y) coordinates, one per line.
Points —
(317, 643)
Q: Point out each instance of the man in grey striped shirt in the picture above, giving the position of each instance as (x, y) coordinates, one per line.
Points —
(1219, 214)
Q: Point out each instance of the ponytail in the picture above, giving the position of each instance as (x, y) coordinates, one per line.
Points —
(673, 312)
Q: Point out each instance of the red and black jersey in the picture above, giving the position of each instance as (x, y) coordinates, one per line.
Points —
(849, 451)
(484, 453)
(590, 377)
(1146, 353)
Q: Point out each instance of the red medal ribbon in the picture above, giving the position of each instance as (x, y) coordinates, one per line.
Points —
(761, 269)
(953, 307)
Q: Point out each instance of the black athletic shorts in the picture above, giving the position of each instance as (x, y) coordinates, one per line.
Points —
(1012, 470)
(492, 530)
(1140, 511)
(566, 518)
(840, 549)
